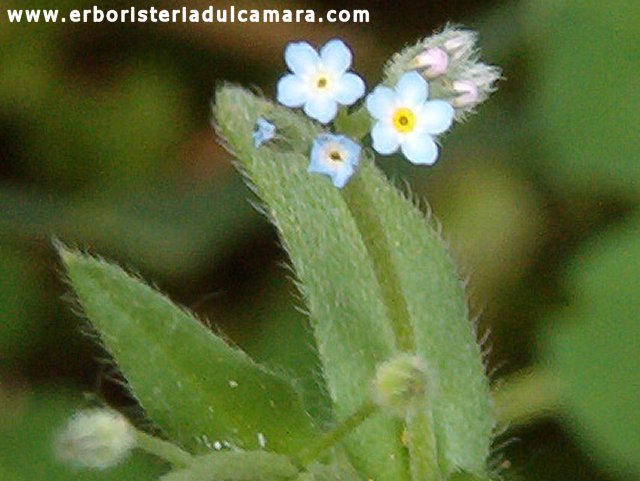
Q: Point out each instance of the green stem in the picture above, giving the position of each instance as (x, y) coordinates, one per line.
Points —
(163, 449)
(527, 396)
(421, 442)
(330, 439)
(363, 211)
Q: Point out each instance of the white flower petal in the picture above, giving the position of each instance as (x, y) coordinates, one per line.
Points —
(435, 117)
(349, 89)
(292, 91)
(336, 56)
(322, 109)
(385, 138)
(381, 102)
(301, 58)
(420, 149)
(412, 89)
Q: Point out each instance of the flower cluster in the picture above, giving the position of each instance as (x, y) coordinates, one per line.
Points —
(450, 61)
(440, 83)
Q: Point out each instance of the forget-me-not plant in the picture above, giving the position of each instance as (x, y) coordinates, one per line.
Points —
(407, 396)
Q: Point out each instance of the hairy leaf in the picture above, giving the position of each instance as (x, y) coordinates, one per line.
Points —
(191, 382)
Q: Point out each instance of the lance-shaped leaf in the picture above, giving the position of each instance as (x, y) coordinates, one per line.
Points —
(336, 277)
(191, 383)
(443, 335)
(377, 280)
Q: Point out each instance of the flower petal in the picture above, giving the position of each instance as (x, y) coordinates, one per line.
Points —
(336, 56)
(264, 132)
(292, 91)
(301, 58)
(412, 89)
(341, 176)
(435, 117)
(381, 102)
(322, 109)
(349, 89)
(420, 149)
(385, 138)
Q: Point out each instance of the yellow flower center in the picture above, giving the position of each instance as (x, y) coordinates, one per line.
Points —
(404, 120)
(322, 82)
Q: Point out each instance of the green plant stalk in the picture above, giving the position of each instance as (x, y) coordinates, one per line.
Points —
(171, 453)
(330, 439)
(368, 223)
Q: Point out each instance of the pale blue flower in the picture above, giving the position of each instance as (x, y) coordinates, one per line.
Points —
(319, 82)
(406, 120)
(264, 132)
(336, 156)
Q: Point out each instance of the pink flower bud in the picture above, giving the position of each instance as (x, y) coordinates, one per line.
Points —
(434, 60)
(469, 95)
(461, 44)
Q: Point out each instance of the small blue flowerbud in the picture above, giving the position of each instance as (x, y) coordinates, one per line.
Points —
(264, 132)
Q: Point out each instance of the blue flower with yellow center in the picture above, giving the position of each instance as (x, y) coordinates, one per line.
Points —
(319, 82)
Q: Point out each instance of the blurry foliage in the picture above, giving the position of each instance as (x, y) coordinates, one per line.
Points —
(102, 144)
(586, 104)
(594, 345)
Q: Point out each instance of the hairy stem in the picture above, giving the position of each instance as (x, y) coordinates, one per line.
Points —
(163, 449)
(330, 439)
(420, 440)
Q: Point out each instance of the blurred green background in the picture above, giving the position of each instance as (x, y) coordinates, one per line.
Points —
(106, 143)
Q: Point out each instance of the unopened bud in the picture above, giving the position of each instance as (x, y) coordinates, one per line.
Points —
(434, 60)
(96, 438)
(460, 44)
(468, 94)
(476, 85)
(399, 382)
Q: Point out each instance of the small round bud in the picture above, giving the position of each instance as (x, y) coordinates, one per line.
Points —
(399, 382)
(434, 60)
(468, 94)
(96, 438)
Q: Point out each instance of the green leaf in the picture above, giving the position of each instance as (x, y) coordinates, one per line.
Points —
(331, 262)
(341, 250)
(594, 348)
(585, 92)
(190, 381)
(444, 336)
